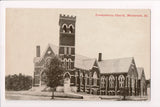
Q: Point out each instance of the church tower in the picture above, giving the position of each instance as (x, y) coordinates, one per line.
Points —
(67, 40)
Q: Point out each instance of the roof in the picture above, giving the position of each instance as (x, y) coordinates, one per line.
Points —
(106, 66)
(140, 71)
(54, 49)
(83, 62)
(115, 65)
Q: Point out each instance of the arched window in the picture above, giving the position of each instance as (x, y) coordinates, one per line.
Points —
(47, 61)
(69, 63)
(86, 78)
(71, 27)
(81, 78)
(64, 28)
(102, 81)
(65, 63)
(43, 78)
(67, 75)
(121, 81)
(111, 81)
(95, 78)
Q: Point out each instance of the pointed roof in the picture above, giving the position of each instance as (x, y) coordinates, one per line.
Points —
(140, 71)
(83, 62)
(115, 65)
(54, 48)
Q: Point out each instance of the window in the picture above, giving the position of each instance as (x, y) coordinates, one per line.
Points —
(69, 63)
(111, 81)
(65, 50)
(86, 78)
(121, 81)
(69, 51)
(64, 28)
(65, 63)
(61, 50)
(72, 51)
(48, 60)
(95, 78)
(81, 78)
(102, 81)
(71, 28)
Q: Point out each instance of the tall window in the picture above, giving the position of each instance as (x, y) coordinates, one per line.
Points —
(65, 63)
(111, 81)
(71, 28)
(64, 28)
(69, 51)
(95, 78)
(102, 81)
(81, 78)
(86, 78)
(121, 81)
(69, 63)
(65, 50)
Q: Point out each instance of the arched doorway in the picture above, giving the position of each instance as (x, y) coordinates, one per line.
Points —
(67, 78)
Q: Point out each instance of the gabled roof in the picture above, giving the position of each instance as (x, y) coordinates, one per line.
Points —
(54, 48)
(140, 71)
(83, 62)
(115, 65)
(106, 66)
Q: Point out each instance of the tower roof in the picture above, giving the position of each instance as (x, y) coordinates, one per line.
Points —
(68, 17)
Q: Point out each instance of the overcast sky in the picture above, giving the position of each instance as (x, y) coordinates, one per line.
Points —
(114, 37)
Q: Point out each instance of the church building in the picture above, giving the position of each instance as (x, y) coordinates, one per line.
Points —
(88, 75)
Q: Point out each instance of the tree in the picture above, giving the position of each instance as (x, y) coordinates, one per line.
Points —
(54, 72)
(124, 92)
(18, 82)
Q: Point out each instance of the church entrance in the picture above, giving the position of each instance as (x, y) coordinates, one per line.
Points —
(67, 79)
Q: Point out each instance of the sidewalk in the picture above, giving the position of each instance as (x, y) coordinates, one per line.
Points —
(46, 94)
(71, 96)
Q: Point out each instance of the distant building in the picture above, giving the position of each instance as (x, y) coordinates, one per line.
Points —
(88, 75)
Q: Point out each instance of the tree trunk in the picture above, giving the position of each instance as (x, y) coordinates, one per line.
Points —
(52, 93)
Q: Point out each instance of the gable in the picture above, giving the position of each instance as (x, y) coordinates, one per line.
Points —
(141, 74)
(133, 70)
(49, 53)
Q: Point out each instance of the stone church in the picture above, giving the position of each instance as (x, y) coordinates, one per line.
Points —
(89, 75)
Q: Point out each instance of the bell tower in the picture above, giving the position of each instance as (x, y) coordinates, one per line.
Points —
(67, 40)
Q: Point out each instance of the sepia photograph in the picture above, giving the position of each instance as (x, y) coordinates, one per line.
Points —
(78, 54)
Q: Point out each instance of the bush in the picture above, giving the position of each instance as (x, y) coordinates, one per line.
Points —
(18, 82)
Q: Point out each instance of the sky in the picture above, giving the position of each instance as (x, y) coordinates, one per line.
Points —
(116, 33)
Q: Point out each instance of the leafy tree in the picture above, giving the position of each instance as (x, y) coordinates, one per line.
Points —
(18, 82)
(54, 72)
(124, 92)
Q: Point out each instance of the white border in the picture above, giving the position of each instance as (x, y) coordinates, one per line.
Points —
(155, 51)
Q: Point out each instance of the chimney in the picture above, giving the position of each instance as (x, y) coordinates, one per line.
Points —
(38, 51)
(100, 57)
